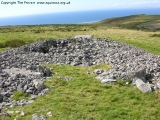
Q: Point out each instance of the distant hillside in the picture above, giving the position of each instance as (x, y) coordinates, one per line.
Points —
(143, 22)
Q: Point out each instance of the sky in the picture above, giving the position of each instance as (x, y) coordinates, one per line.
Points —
(17, 9)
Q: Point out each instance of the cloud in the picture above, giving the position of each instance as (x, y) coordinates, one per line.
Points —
(138, 4)
(148, 3)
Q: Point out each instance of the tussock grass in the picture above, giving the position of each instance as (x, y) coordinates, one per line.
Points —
(155, 35)
(14, 43)
(84, 98)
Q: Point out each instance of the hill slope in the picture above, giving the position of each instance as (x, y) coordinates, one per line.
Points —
(143, 22)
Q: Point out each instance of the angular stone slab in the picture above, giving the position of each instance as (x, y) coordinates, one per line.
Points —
(84, 36)
(108, 81)
(144, 87)
(21, 71)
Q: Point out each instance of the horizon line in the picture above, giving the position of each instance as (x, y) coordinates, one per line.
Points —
(76, 11)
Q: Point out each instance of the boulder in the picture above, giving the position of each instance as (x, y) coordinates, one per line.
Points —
(98, 71)
(144, 87)
(29, 91)
(10, 112)
(20, 88)
(139, 73)
(22, 113)
(46, 72)
(33, 97)
(43, 117)
(36, 117)
(75, 63)
(39, 84)
(49, 114)
(46, 90)
(108, 81)
(5, 99)
(84, 36)
(158, 84)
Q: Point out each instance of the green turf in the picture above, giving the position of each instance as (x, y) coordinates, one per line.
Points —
(14, 36)
(84, 98)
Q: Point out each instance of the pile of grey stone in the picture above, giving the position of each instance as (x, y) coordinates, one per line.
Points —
(21, 68)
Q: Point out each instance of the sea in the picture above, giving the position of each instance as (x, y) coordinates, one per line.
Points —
(76, 17)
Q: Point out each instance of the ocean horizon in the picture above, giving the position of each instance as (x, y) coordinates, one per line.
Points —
(77, 17)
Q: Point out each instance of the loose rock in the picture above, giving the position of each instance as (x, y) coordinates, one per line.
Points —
(49, 114)
(39, 84)
(21, 69)
(22, 113)
(144, 87)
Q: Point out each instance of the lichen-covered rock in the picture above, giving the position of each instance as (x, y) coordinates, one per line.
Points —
(84, 36)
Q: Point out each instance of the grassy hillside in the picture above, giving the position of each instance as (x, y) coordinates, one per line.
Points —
(14, 36)
(142, 22)
(83, 97)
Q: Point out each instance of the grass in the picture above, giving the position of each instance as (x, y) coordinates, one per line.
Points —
(141, 39)
(19, 95)
(3, 49)
(84, 98)
(155, 35)
(138, 38)
(101, 66)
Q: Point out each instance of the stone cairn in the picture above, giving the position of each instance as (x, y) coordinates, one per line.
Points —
(21, 69)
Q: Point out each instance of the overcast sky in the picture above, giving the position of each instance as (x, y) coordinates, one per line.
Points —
(75, 5)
